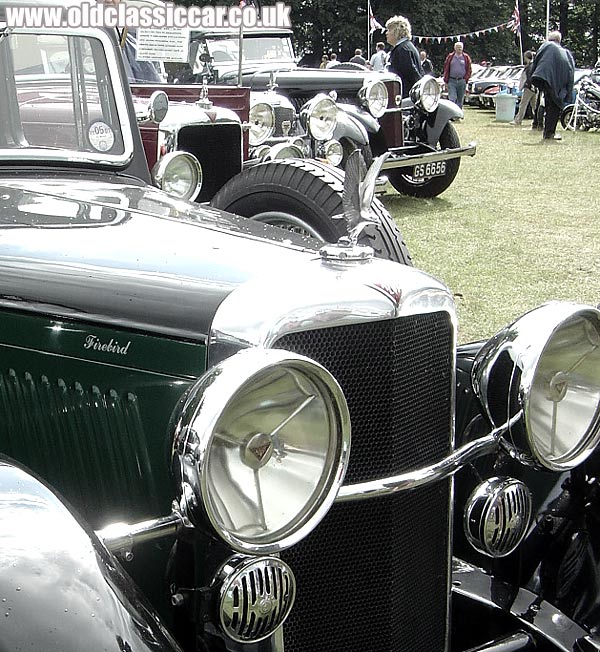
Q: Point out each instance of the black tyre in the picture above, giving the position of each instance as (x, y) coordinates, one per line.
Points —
(567, 119)
(302, 196)
(433, 186)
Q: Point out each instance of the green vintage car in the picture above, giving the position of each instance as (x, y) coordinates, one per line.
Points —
(216, 435)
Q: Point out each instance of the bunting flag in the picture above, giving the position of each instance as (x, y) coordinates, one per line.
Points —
(462, 37)
(515, 20)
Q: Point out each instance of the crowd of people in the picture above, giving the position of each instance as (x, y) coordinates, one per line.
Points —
(546, 81)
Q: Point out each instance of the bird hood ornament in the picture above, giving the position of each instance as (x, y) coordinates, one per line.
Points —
(357, 200)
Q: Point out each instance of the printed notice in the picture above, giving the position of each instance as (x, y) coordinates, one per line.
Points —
(165, 44)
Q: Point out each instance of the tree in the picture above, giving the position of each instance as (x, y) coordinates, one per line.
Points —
(322, 26)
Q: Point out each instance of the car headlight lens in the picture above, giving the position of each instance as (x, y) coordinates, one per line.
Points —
(179, 174)
(285, 150)
(547, 366)
(319, 117)
(262, 123)
(375, 96)
(261, 448)
(333, 152)
(426, 94)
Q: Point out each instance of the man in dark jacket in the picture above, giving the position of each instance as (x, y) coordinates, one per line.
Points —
(552, 72)
(404, 57)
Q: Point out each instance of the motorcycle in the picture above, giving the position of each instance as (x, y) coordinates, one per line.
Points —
(584, 113)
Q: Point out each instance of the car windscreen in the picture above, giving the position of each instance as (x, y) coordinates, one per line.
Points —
(57, 100)
(267, 49)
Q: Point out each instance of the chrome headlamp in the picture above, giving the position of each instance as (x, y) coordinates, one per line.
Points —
(285, 150)
(545, 367)
(179, 174)
(319, 117)
(374, 96)
(262, 123)
(426, 94)
(333, 152)
(261, 449)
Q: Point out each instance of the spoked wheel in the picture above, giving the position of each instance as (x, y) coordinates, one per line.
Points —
(288, 222)
(571, 120)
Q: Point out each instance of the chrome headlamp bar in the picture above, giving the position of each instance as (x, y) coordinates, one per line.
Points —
(120, 538)
(428, 474)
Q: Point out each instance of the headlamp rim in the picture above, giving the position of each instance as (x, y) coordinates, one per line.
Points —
(253, 142)
(194, 433)
(160, 168)
(308, 109)
(524, 342)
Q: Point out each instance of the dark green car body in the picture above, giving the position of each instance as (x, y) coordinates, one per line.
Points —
(217, 435)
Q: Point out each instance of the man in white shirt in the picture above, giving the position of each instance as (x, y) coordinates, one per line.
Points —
(379, 58)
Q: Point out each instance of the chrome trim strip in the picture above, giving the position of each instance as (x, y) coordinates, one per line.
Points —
(511, 643)
(408, 160)
(71, 155)
(428, 474)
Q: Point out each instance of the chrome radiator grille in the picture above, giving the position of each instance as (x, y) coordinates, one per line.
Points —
(283, 116)
(374, 574)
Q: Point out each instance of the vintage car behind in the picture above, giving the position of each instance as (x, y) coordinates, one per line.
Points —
(282, 186)
(417, 131)
(264, 433)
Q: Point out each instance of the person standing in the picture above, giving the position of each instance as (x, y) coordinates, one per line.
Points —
(332, 60)
(379, 58)
(529, 96)
(426, 63)
(552, 72)
(457, 71)
(324, 61)
(358, 58)
(404, 59)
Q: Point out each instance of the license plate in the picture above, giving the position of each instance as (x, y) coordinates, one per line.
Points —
(425, 170)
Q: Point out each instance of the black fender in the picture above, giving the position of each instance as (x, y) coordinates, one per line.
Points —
(350, 127)
(61, 589)
(445, 112)
(485, 608)
(359, 117)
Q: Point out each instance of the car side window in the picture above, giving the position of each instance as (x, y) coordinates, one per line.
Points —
(63, 95)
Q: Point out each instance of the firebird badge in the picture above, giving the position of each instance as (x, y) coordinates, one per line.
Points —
(112, 346)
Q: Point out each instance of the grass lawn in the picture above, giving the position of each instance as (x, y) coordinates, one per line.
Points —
(518, 227)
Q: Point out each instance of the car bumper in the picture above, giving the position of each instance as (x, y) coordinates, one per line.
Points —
(402, 158)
